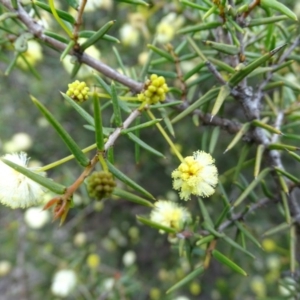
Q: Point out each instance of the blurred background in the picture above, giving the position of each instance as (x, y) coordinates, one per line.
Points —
(101, 246)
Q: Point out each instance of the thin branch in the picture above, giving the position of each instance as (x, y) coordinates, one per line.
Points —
(78, 19)
(242, 215)
(37, 30)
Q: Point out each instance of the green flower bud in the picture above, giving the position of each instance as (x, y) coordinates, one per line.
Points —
(100, 185)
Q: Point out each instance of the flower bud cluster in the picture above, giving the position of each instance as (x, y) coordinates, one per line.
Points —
(100, 184)
(78, 91)
(155, 90)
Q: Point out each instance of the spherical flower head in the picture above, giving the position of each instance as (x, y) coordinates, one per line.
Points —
(36, 218)
(63, 283)
(154, 91)
(78, 91)
(33, 55)
(129, 35)
(17, 190)
(170, 214)
(196, 175)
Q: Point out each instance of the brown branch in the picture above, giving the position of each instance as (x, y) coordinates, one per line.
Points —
(78, 22)
(38, 31)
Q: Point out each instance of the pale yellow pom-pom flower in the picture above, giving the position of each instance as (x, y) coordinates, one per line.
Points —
(170, 214)
(196, 175)
(17, 190)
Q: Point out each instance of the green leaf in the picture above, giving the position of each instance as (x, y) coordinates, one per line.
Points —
(103, 84)
(71, 144)
(199, 27)
(97, 36)
(79, 109)
(222, 65)
(120, 61)
(140, 126)
(116, 107)
(288, 175)
(294, 155)
(135, 2)
(205, 213)
(46, 182)
(132, 197)
(89, 33)
(246, 232)
(167, 121)
(224, 48)
(214, 139)
(67, 50)
(265, 126)
(294, 86)
(194, 274)
(162, 53)
(156, 225)
(195, 70)
(250, 187)
(56, 36)
(258, 159)
(238, 136)
(277, 229)
(276, 146)
(98, 123)
(194, 5)
(62, 14)
(237, 246)
(122, 177)
(144, 145)
(73, 3)
(205, 240)
(223, 94)
(268, 20)
(211, 94)
(227, 262)
(242, 73)
(279, 7)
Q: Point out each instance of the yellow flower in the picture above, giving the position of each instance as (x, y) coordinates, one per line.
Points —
(170, 214)
(33, 55)
(78, 91)
(17, 190)
(154, 91)
(196, 175)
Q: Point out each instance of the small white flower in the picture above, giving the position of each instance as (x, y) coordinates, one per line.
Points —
(33, 54)
(129, 258)
(167, 27)
(108, 284)
(20, 142)
(5, 267)
(17, 190)
(170, 214)
(63, 283)
(196, 175)
(36, 218)
(92, 5)
(129, 35)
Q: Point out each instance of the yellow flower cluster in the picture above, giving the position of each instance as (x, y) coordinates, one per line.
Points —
(154, 91)
(196, 175)
(78, 91)
(170, 214)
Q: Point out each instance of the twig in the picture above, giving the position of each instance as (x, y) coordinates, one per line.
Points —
(37, 31)
(242, 215)
(78, 20)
